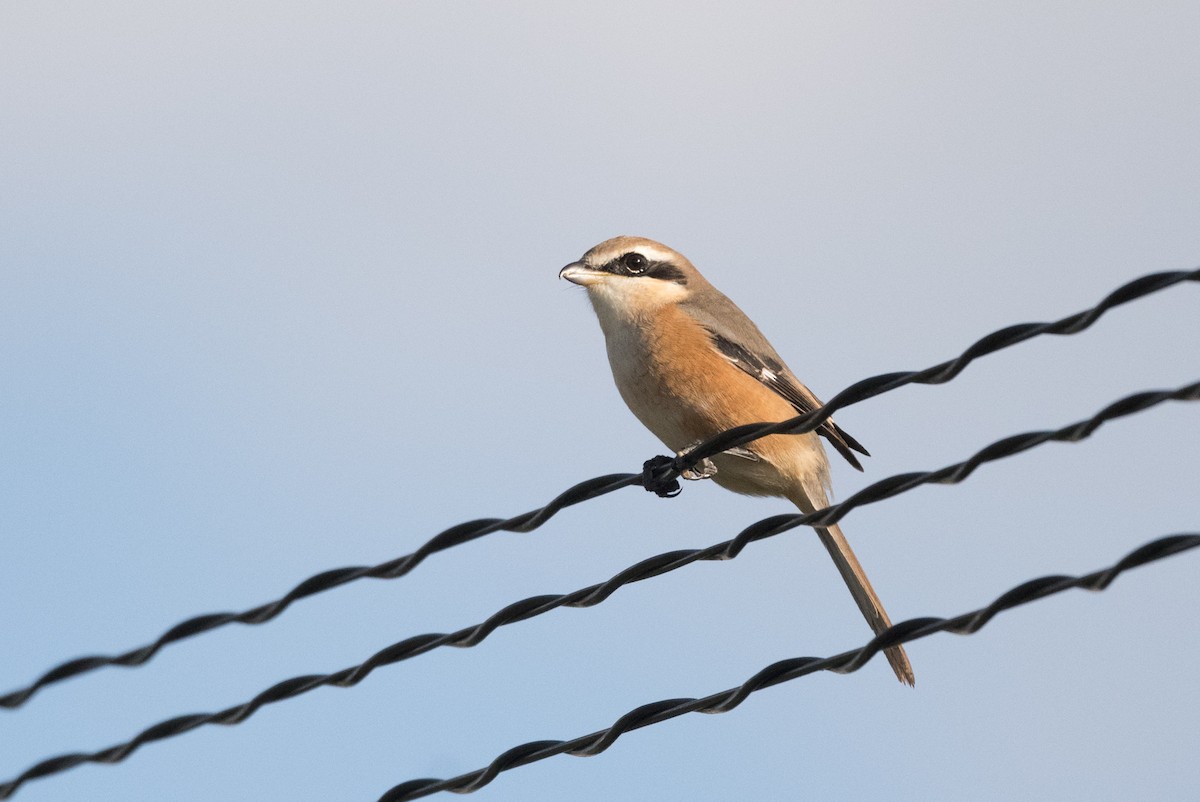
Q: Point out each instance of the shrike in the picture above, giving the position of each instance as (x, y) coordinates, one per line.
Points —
(690, 364)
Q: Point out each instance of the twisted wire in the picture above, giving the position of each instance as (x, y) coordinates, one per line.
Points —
(595, 594)
(660, 475)
(787, 670)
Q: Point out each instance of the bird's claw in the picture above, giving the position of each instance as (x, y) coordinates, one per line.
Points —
(704, 469)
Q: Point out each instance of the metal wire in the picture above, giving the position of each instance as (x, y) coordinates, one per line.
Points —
(662, 474)
(787, 670)
(595, 594)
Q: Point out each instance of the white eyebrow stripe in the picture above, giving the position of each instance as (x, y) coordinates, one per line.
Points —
(653, 253)
(646, 249)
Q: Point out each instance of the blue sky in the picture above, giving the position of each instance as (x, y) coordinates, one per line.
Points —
(278, 294)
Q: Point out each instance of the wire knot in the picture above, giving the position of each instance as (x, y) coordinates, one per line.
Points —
(660, 475)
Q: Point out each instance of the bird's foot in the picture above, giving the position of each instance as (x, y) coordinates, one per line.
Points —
(704, 469)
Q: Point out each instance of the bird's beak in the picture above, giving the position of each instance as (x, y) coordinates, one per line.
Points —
(581, 274)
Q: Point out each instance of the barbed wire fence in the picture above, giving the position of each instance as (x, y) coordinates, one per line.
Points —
(661, 476)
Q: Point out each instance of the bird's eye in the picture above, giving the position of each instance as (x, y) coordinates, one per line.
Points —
(634, 262)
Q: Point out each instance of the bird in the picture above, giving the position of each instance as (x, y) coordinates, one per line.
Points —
(689, 364)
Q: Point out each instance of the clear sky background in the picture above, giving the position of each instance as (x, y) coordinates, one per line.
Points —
(278, 294)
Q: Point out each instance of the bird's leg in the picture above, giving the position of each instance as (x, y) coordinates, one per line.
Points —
(704, 469)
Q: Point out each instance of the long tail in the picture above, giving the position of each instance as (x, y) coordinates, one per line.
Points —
(860, 588)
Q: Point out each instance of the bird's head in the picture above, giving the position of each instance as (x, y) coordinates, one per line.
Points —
(627, 276)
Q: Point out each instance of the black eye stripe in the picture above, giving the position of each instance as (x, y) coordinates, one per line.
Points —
(636, 264)
(665, 271)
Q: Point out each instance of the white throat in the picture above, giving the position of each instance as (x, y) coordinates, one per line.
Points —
(622, 301)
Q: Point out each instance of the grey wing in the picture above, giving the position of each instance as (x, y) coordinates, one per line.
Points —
(737, 338)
